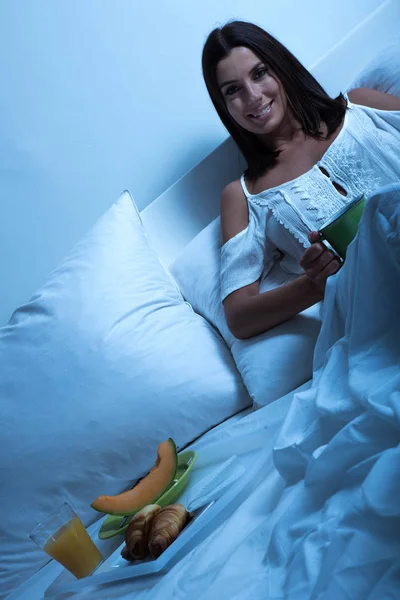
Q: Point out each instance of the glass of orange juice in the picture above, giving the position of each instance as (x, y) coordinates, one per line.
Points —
(64, 537)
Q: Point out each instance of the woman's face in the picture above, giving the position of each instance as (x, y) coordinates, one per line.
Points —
(255, 99)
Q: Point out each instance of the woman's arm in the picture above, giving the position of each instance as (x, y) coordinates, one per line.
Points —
(374, 99)
(249, 312)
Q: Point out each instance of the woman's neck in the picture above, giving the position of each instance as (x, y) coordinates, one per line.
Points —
(288, 132)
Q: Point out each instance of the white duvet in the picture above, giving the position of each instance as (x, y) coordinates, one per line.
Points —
(341, 437)
(324, 523)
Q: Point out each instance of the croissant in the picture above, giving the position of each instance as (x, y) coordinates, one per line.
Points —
(165, 528)
(137, 533)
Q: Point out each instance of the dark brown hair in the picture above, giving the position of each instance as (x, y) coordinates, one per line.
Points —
(308, 101)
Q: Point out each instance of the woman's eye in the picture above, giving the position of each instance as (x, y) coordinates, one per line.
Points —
(260, 73)
(231, 90)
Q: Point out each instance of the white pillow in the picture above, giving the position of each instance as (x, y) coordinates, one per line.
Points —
(271, 364)
(104, 363)
(383, 72)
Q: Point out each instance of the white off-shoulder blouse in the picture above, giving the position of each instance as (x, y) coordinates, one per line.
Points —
(364, 156)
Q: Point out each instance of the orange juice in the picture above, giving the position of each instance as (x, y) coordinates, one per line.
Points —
(71, 546)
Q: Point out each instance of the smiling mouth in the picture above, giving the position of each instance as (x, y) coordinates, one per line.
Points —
(261, 113)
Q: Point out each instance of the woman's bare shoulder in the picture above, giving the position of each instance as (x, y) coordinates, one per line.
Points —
(234, 210)
(232, 192)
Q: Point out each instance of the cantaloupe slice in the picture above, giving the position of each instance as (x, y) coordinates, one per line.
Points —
(148, 490)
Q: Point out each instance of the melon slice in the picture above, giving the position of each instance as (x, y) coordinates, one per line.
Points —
(148, 490)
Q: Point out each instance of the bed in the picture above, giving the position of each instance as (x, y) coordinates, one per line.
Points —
(282, 540)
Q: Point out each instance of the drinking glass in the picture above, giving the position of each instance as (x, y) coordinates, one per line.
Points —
(64, 537)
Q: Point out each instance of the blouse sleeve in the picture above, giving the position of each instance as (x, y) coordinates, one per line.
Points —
(244, 258)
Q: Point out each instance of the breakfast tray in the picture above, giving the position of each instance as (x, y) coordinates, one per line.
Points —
(205, 520)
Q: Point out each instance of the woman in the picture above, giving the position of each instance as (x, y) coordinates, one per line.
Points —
(308, 155)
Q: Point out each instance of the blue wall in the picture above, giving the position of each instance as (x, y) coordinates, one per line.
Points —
(99, 96)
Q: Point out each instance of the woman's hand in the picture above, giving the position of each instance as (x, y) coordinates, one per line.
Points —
(318, 262)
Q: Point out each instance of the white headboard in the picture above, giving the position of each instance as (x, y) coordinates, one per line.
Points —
(182, 211)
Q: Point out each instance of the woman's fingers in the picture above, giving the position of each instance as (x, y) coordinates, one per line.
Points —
(330, 268)
(314, 269)
(312, 254)
(318, 262)
(314, 236)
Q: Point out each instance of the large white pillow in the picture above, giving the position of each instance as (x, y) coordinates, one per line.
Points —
(383, 72)
(271, 364)
(104, 363)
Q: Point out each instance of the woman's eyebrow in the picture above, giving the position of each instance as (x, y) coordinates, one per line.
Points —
(227, 83)
(256, 66)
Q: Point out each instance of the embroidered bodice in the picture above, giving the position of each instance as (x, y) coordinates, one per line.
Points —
(364, 156)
